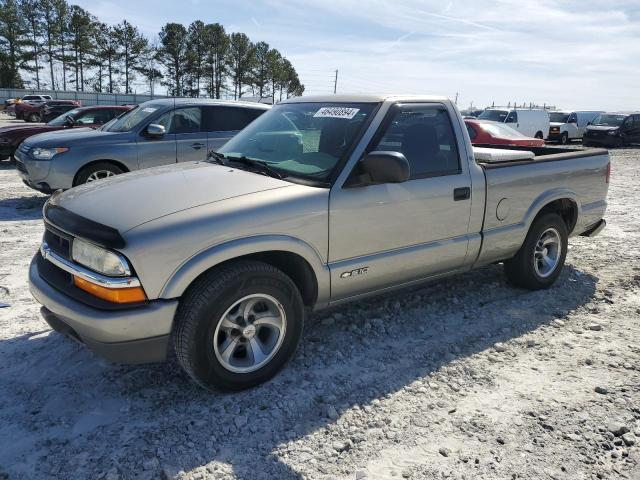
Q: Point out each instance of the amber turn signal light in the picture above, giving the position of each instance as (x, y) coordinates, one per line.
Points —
(115, 295)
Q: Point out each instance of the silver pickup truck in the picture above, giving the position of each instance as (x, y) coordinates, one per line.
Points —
(320, 201)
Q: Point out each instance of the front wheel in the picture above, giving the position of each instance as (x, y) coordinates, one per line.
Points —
(97, 171)
(34, 117)
(539, 135)
(564, 138)
(238, 325)
(539, 261)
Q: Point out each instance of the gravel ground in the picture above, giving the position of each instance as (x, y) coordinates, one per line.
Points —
(468, 378)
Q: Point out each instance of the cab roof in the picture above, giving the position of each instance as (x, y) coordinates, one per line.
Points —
(369, 98)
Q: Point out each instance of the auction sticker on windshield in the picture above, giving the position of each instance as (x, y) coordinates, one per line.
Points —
(336, 112)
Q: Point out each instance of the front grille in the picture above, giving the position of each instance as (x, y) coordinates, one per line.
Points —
(59, 242)
(20, 167)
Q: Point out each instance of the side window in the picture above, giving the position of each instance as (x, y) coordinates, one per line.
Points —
(628, 122)
(164, 120)
(573, 118)
(636, 121)
(228, 119)
(423, 133)
(512, 117)
(87, 118)
(185, 120)
(472, 132)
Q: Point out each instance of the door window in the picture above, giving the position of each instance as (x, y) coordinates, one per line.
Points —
(228, 119)
(94, 117)
(182, 120)
(573, 118)
(424, 135)
(512, 117)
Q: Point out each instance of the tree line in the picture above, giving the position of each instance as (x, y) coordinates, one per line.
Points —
(60, 46)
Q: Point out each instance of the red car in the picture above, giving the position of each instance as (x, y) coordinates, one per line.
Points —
(33, 113)
(12, 136)
(485, 132)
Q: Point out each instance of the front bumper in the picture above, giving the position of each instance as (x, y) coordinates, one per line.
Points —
(136, 335)
(6, 151)
(606, 141)
(33, 172)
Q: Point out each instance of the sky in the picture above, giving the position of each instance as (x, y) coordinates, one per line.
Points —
(580, 54)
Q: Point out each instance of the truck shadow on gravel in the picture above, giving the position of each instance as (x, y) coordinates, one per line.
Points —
(91, 418)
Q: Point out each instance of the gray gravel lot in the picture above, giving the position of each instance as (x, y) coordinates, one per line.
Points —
(466, 378)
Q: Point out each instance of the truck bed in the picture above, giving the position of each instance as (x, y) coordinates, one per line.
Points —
(540, 154)
(517, 189)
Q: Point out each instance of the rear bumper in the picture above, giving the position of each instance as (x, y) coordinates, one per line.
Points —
(594, 229)
(136, 335)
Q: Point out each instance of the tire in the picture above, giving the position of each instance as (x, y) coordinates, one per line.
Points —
(527, 269)
(96, 171)
(202, 335)
(539, 135)
(34, 117)
(564, 138)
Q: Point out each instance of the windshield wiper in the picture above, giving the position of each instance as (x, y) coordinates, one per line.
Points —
(260, 166)
(218, 157)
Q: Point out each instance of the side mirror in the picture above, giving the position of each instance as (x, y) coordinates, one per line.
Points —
(573, 120)
(69, 121)
(156, 131)
(384, 167)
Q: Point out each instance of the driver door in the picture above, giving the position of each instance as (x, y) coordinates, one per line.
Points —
(390, 234)
(153, 151)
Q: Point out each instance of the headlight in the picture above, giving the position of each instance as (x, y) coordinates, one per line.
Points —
(5, 140)
(99, 259)
(47, 153)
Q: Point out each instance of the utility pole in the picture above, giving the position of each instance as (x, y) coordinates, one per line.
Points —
(335, 83)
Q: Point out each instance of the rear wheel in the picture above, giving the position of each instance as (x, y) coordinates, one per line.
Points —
(97, 171)
(539, 135)
(539, 261)
(238, 325)
(34, 117)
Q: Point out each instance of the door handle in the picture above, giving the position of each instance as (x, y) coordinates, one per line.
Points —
(462, 193)
(197, 146)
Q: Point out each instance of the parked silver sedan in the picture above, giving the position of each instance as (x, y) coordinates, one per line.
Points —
(158, 132)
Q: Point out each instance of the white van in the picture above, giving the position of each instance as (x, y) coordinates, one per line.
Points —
(567, 125)
(532, 122)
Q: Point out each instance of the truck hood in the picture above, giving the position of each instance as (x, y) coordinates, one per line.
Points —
(69, 137)
(25, 129)
(602, 128)
(129, 200)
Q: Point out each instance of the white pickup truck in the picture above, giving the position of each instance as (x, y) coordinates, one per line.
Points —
(319, 201)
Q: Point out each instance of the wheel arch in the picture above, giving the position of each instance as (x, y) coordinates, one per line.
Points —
(563, 202)
(294, 257)
(117, 163)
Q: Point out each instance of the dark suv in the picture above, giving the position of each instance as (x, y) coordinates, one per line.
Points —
(12, 136)
(613, 130)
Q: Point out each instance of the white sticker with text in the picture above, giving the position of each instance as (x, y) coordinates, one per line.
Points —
(337, 112)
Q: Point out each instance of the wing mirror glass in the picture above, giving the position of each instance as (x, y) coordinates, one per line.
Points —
(156, 131)
(384, 167)
(69, 121)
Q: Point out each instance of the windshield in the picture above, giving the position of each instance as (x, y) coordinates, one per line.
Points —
(494, 115)
(502, 131)
(133, 118)
(61, 120)
(558, 117)
(305, 140)
(609, 119)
